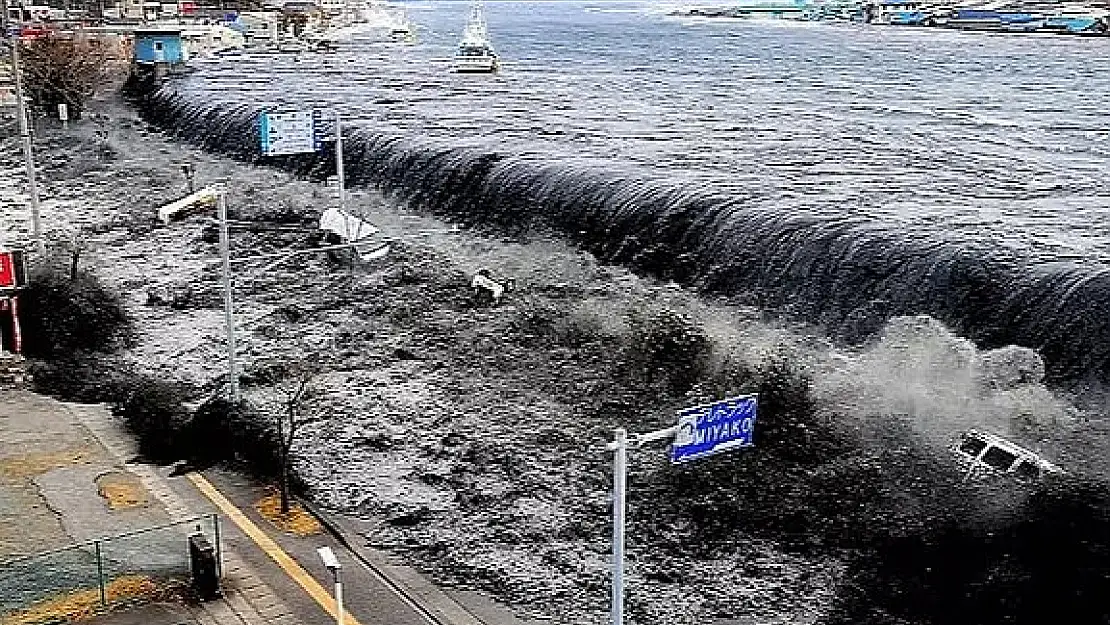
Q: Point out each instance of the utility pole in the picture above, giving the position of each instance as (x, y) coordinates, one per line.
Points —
(229, 315)
(25, 133)
(339, 161)
(620, 472)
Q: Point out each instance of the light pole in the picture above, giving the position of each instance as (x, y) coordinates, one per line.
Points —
(229, 315)
(620, 446)
(339, 174)
(25, 133)
(332, 563)
(620, 471)
(227, 261)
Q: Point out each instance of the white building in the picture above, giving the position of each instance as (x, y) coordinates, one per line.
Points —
(203, 40)
(260, 25)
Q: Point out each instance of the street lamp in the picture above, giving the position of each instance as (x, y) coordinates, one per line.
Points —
(332, 563)
(24, 126)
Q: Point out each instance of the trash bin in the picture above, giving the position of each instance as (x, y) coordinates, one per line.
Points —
(202, 561)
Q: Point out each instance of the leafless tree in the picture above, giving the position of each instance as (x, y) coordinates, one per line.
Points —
(63, 71)
(299, 406)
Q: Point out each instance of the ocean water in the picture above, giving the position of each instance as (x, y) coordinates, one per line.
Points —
(995, 139)
(842, 173)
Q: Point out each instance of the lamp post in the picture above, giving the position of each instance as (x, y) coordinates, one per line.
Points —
(227, 280)
(332, 563)
(25, 134)
(620, 472)
(229, 315)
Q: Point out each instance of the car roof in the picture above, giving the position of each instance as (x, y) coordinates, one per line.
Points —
(1014, 448)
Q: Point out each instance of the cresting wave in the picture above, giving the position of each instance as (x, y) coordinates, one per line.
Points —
(848, 274)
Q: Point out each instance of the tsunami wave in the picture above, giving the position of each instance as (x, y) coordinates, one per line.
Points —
(847, 274)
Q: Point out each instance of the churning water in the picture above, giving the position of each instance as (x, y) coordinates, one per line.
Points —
(840, 170)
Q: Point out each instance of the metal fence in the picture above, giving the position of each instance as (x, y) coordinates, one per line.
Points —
(157, 553)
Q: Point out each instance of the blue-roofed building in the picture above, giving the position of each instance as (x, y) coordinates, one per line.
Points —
(898, 12)
(160, 47)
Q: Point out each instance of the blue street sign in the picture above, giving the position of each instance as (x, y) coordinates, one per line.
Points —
(712, 428)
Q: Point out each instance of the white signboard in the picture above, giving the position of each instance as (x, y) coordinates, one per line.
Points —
(63, 112)
(287, 133)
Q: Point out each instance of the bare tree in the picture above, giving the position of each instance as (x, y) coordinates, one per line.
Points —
(299, 406)
(63, 71)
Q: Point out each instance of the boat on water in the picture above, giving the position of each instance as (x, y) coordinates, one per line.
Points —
(475, 54)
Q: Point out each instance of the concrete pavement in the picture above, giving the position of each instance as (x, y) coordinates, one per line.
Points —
(71, 468)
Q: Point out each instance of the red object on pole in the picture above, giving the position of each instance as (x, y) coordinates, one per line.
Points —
(11, 306)
(7, 270)
(17, 333)
(12, 274)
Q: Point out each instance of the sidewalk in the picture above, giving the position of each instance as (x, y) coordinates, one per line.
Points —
(65, 479)
(247, 600)
(55, 458)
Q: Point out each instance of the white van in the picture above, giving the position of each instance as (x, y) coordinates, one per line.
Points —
(983, 453)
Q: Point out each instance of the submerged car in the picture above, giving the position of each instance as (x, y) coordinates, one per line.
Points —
(983, 454)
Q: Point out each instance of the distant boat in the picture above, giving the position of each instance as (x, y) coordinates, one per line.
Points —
(475, 53)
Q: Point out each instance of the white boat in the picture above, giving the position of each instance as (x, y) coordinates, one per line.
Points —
(475, 54)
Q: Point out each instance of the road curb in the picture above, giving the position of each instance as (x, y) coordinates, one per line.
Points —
(434, 604)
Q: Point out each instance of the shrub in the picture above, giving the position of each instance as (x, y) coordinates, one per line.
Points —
(221, 431)
(154, 411)
(85, 377)
(63, 314)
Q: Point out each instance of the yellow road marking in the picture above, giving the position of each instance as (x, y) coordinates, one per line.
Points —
(271, 548)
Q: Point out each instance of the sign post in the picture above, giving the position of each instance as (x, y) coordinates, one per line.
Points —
(287, 133)
(713, 428)
(13, 272)
(701, 431)
(339, 160)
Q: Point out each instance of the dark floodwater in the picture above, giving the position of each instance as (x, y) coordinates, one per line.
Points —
(995, 137)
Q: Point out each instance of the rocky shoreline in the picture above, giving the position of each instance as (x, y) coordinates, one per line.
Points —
(473, 435)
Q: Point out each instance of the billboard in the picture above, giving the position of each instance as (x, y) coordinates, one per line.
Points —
(288, 133)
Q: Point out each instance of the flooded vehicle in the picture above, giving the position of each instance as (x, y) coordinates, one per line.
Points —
(984, 454)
